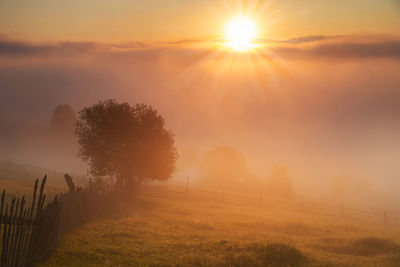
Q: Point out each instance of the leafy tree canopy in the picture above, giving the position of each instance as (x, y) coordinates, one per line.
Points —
(63, 119)
(127, 142)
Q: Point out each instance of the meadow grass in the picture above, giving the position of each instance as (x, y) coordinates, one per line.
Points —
(167, 232)
(18, 180)
(173, 232)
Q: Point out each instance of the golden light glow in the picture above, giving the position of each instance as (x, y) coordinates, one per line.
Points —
(240, 33)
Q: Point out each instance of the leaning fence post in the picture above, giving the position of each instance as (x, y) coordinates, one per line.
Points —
(13, 234)
(18, 245)
(1, 208)
(4, 239)
(70, 183)
(8, 233)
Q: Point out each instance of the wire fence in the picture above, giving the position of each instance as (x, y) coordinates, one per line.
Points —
(263, 200)
(388, 217)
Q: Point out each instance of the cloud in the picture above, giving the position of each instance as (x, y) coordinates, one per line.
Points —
(9, 48)
(297, 40)
(306, 47)
(185, 41)
(19, 48)
(3, 36)
(341, 50)
(306, 39)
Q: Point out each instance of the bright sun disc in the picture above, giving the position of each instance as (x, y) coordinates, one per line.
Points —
(240, 33)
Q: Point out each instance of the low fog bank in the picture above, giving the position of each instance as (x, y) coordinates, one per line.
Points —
(50, 146)
(225, 169)
(325, 120)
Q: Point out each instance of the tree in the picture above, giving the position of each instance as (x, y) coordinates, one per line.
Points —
(278, 183)
(125, 142)
(61, 140)
(224, 167)
(63, 121)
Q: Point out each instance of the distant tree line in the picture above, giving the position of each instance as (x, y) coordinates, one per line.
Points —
(224, 168)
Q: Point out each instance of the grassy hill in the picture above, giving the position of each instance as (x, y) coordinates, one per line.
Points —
(18, 179)
(166, 232)
(174, 232)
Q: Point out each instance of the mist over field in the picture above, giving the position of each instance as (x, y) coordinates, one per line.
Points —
(323, 107)
(200, 133)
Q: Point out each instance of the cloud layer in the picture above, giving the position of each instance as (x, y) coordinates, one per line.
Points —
(343, 47)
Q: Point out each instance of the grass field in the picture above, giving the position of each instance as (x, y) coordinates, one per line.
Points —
(165, 232)
(19, 180)
(173, 232)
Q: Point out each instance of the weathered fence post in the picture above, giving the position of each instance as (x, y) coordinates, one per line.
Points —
(4, 239)
(1, 208)
(70, 183)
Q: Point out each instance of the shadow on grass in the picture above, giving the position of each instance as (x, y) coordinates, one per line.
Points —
(366, 246)
(372, 246)
(256, 254)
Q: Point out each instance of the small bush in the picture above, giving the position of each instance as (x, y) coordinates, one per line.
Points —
(277, 254)
(274, 254)
(367, 246)
(240, 259)
(371, 246)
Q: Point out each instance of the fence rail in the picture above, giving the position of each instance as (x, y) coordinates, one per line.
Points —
(263, 200)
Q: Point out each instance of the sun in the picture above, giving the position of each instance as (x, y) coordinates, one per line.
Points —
(240, 33)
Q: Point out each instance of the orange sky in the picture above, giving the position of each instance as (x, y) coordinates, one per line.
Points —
(160, 20)
(324, 103)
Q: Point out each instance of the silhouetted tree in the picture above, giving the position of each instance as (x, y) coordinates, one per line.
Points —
(63, 121)
(224, 167)
(125, 142)
(278, 183)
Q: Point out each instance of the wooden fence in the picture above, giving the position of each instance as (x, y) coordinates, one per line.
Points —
(31, 233)
(386, 217)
